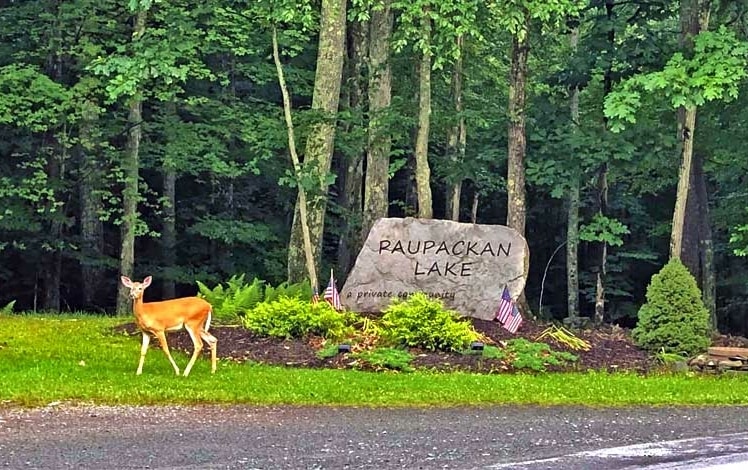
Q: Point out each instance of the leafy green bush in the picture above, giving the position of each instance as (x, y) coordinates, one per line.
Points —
(535, 356)
(231, 303)
(674, 318)
(422, 322)
(386, 358)
(292, 317)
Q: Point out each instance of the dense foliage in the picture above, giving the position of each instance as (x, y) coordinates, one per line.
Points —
(290, 317)
(674, 319)
(419, 321)
(231, 303)
(214, 190)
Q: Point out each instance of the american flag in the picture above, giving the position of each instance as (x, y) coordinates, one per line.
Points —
(315, 296)
(505, 306)
(514, 321)
(332, 295)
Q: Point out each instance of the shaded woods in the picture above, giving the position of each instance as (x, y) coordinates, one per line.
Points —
(148, 138)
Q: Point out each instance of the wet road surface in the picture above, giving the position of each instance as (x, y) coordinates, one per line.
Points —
(243, 437)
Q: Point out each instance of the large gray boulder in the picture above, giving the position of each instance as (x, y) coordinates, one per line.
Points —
(464, 265)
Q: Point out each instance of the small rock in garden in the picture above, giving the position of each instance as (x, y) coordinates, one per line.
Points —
(699, 360)
(728, 364)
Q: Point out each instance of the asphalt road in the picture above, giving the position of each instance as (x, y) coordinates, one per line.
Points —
(237, 437)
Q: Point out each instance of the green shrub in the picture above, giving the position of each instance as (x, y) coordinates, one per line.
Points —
(386, 358)
(535, 356)
(231, 303)
(674, 318)
(292, 317)
(422, 322)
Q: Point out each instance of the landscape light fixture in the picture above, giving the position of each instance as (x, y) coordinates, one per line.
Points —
(476, 346)
(344, 348)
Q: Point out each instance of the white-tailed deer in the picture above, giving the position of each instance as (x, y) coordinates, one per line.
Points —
(191, 313)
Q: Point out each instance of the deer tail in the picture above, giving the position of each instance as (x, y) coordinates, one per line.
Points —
(207, 322)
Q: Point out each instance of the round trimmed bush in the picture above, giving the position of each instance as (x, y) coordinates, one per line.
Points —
(674, 318)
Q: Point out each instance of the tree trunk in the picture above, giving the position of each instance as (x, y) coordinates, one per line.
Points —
(706, 246)
(691, 237)
(474, 208)
(320, 142)
(684, 178)
(516, 193)
(91, 204)
(52, 260)
(51, 275)
(169, 230)
(307, 250)
(376, 184)
(169, 220)
(353, 167)
(130, 167)
(572, 220)
(602, 181)
(694, 18)
(423, 172)
(56, 153)
(457, 135)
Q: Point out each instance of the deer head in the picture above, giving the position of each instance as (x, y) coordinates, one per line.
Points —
(136, 288)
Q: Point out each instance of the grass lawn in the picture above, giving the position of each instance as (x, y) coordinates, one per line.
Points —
(77, 358)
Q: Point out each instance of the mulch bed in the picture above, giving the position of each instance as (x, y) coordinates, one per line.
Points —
(612, 349)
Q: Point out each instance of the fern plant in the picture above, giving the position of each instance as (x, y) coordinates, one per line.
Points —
(231, 303)
(8, 308)
(301, 290)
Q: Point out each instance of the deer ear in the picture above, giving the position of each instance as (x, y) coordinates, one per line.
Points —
(126, 281)
(147, 281)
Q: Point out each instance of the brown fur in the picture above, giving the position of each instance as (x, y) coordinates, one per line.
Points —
(156, 318)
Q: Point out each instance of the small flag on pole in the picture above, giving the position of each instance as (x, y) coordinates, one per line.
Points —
(315, 296)
(514, 321)
(332, 295)
(505, 306)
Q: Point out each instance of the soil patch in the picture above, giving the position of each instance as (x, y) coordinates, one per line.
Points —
(612, 349)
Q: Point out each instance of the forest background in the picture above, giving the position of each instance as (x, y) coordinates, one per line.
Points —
(149, 137)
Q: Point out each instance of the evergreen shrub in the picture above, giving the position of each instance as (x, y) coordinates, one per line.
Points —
(674, 318)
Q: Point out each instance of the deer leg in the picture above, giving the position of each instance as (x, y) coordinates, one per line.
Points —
(197, 342)
(213, 343)
(143, 350)
(165, 346)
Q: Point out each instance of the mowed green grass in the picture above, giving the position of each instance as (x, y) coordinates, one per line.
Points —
(46, 359)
